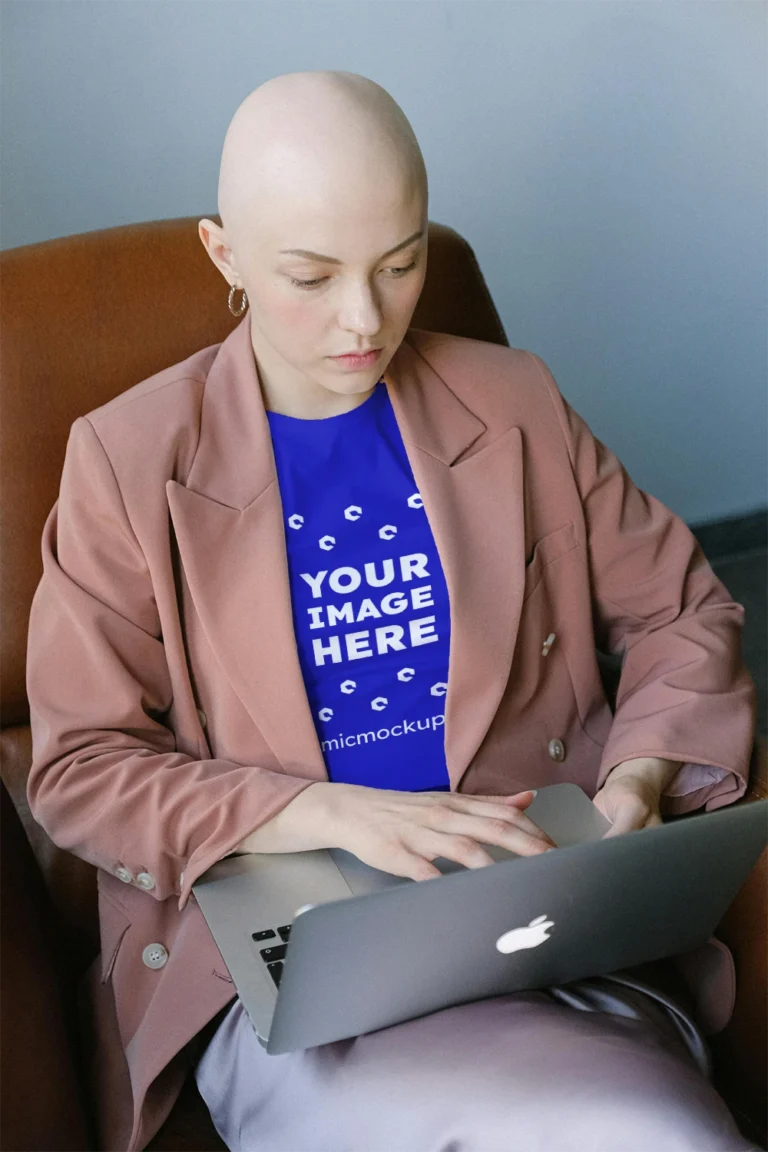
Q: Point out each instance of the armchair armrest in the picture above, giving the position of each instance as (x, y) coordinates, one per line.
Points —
(758, 773)
(740, 1051)
(42, 1105)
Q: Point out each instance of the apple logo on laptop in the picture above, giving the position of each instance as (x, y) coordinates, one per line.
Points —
(531, 936)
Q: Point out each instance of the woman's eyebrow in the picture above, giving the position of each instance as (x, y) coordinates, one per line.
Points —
(332, 259)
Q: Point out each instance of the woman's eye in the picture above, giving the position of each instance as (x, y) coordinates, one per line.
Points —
(305, 283)
(407, 268)
(310, 284)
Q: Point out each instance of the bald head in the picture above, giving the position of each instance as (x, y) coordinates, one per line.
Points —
(324, 225)
(305, 140)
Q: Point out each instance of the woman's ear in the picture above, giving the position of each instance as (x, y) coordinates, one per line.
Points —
(214, 240)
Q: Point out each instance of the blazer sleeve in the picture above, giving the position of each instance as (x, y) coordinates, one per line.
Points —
(106, 781)
(685, 693)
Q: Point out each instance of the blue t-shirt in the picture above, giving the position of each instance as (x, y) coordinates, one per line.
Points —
(370, 604)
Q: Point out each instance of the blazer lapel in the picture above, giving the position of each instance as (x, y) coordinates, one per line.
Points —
(228, 521)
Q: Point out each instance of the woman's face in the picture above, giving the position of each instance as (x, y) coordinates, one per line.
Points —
(354, 294)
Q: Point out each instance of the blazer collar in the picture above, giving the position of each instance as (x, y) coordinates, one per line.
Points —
(228, 521)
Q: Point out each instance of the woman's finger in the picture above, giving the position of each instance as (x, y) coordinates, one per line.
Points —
(485, 830)
(626, 817)
(402, 861)
(493, 810)
(463, 849)
(517, 799)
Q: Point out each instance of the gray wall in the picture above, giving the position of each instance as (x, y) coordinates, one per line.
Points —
(607, 162)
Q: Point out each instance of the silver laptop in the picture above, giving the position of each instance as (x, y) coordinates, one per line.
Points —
(321, 946)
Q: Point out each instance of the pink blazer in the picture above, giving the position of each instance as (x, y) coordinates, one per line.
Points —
(168, 710)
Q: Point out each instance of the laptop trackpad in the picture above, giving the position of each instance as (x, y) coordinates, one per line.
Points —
(360, 877)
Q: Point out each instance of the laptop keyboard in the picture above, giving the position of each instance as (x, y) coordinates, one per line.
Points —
(274, 954)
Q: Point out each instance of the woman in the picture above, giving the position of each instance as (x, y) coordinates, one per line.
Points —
(265, 548)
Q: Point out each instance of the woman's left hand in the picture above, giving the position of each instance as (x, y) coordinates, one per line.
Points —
(631, 794)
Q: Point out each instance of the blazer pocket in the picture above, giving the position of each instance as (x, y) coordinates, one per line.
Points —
(545, 551)
(113, 925)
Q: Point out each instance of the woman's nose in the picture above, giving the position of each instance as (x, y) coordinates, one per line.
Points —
(361, 312)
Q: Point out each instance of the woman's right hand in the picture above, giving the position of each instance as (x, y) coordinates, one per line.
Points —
(401, 832)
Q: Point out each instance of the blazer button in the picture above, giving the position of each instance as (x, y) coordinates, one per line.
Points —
(154, 956)
(146, 881)
(548, 644)
(557, 750)
(124, 874)
(202, 718)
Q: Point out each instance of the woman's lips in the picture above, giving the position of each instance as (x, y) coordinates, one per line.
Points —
(358, 361)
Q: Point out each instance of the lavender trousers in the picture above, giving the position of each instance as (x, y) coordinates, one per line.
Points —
(599, 1065)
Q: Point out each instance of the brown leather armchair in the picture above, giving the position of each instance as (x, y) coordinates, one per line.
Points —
(83, 319)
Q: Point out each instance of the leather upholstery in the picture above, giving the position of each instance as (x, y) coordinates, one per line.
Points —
(38, 1032)
(84, 318)
(740, 1051)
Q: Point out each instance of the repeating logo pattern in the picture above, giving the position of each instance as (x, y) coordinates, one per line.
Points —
(354, 513)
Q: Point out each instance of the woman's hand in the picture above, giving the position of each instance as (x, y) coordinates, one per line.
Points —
(631, 794)
(401, 832)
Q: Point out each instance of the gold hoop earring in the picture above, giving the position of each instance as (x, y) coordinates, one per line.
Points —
(243, 304)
